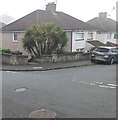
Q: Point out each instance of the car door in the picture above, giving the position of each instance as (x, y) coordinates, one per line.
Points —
(114, 52)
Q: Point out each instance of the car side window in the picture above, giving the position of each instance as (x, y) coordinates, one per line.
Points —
(115, 50)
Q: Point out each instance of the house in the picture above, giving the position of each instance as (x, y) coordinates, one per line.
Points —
(2, 24)
(117, 22)
(111, 44)
(106, 28)
(6, 19)
(77, 31)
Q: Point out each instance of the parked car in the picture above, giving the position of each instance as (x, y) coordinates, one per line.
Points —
(105, 54)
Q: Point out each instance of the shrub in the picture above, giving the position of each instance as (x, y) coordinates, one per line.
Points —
(5, 50)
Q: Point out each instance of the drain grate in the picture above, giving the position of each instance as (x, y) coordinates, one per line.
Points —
(22, 89)
(43, 113)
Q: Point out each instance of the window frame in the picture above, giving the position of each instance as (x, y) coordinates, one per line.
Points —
(114, 50)
(90, 36)
(115, 36)
(79, 38)
(109, 36)
(15, 36)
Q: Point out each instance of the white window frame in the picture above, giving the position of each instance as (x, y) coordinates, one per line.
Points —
(115, 36)
(79, 38)
(15, 38)
(90, 35)
(109, 36)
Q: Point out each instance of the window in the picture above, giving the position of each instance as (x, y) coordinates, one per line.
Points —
(102, 50)
(109, 36)
(116, 36)
(115, 50)
(79, 36)
(90, 36)
(15, 37)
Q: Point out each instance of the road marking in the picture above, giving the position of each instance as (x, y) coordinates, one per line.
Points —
(92, 84)
(113, 85)
(84, 82)
(100, 84)
(89, 83)
(37, 67)
(105, 86)
(13, 72)
(74, 79)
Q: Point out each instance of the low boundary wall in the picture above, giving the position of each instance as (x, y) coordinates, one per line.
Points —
(63, 57)
(54, 58)
(13, 59)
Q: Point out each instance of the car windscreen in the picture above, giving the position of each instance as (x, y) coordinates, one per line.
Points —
(102, 50)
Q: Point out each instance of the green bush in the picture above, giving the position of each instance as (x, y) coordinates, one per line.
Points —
(5, 50)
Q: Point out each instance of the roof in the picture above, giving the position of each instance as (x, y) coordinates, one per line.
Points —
(64, 20)
(107, 47)
(103, 25)
(2, 24)
(111, 44)
(95, 43)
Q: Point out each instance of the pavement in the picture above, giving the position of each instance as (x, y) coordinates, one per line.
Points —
(45, 66)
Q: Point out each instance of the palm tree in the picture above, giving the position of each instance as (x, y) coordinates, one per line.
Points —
(44, 39)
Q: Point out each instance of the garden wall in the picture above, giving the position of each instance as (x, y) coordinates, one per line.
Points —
(6, 58)
(13, 59)
(63, 57)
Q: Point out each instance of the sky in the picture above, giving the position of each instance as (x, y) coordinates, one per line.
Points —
(81, 9)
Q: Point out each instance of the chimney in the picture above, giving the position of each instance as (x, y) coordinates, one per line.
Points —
(103, 15)
(51, 7)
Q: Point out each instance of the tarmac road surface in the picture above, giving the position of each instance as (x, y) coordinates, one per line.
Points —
(85, 92)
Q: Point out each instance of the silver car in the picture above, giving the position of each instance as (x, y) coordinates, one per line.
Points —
(105, 54)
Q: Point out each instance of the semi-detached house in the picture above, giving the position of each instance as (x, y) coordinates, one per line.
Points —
(106, 28)
(77, 31)
(2, 24)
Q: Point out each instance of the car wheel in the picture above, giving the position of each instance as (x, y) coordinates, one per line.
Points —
(111, 61)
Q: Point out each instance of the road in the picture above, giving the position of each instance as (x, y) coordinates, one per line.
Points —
(85, 92)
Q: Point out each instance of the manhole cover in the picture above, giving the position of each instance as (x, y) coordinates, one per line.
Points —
(22, 89)
(43, 113)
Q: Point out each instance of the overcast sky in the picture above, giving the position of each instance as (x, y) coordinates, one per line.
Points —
(81, 9)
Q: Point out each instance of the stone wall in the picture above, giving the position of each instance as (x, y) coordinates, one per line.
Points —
(55, 58)
(13, 59)
(63, 57)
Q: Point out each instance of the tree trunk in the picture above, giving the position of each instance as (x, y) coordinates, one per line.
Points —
(33, 51)
(37, 49)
